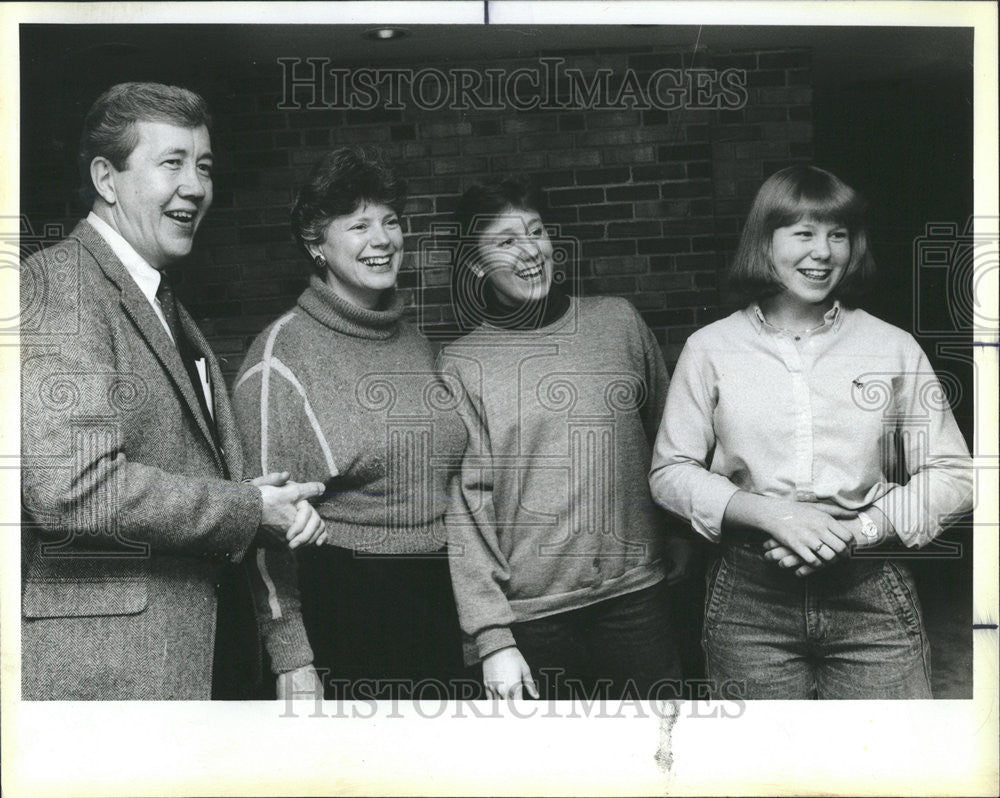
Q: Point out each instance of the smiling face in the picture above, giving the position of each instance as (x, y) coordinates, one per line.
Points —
(515, 255)
(809, 258)
(363, 251)
(158, 200)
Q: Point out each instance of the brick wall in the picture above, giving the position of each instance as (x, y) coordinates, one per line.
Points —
(653, 198)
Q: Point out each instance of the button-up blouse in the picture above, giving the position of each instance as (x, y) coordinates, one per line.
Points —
(849, 415)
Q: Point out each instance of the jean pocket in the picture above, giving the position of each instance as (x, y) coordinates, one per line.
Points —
(903, 593)
(718, 587)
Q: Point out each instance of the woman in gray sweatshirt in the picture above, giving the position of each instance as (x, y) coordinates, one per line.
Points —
(555, 545)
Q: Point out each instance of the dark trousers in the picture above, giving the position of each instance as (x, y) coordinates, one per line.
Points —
(237, 668)
(381, 626)
(622, 647)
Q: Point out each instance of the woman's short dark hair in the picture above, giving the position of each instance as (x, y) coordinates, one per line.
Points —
(786, 197)
(483, 202)
(109, 127)
(340, 181)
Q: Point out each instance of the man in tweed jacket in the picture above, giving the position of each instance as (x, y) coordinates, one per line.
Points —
(133, 502)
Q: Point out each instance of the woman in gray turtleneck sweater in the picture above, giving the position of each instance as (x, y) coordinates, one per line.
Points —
(341, 390)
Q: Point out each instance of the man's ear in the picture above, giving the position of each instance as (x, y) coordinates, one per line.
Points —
(102, 175)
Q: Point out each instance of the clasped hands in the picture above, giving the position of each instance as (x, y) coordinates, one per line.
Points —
(287, 517)
(808, 539)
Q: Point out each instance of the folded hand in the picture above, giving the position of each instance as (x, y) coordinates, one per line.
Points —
(784, 557)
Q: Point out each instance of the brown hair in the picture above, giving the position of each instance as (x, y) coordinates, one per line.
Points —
(787, 196)
(109, 127)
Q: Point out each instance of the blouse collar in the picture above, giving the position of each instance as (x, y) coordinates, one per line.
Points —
(832, 320)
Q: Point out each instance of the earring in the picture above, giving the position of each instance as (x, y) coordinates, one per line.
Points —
(475, 265)
(319, 261)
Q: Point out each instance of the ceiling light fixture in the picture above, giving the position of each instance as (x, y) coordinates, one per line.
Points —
(383, 34)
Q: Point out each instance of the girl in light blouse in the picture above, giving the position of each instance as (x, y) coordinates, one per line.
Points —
(779, 441)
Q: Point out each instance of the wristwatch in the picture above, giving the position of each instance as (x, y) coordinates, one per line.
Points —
(868, 528)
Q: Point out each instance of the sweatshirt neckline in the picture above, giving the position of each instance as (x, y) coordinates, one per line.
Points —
(530, 316)
(566, 313)
(335, 312)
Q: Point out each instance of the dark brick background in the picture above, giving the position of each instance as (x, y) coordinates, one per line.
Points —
(654, 198)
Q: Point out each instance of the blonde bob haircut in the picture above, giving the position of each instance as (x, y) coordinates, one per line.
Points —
(785, 198)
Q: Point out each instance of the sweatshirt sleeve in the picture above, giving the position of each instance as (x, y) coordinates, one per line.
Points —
(680, 479)
(279, 434)
(656, 375)
(936, 458)
(479, 569)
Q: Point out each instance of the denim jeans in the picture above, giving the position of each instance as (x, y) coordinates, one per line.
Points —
(622, 647)
(852, 631)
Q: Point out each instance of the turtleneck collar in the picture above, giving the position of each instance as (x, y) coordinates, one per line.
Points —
(335, 312)
(531, 316)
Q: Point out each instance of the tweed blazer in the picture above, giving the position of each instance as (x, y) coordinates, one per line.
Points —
(129, 511)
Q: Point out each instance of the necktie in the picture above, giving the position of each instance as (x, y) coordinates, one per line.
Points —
(168, 304)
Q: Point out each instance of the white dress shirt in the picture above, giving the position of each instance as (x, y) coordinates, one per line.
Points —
(148, 280)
